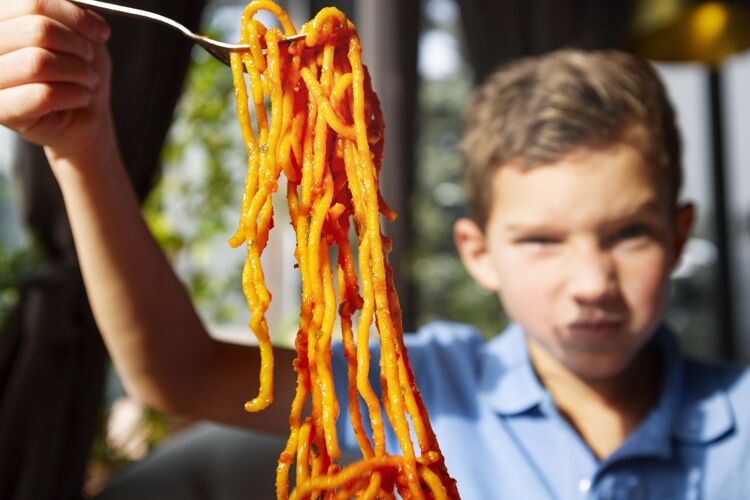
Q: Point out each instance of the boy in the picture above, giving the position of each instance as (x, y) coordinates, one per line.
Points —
(573, 169)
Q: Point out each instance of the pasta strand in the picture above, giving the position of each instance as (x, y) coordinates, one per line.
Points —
(319, 122)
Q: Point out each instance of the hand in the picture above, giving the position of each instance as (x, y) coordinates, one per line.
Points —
(54, 75)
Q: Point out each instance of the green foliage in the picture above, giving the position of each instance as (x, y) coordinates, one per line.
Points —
(444, 289)
(154, 426)
(194, 204)
(16, 267)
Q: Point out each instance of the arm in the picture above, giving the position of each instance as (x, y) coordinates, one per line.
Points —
(54, 91)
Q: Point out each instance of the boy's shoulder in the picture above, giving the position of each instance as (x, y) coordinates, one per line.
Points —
(715, 400)
(441, 344)
(455, 367)
(712, 426)
(446, 358)
(461, 347)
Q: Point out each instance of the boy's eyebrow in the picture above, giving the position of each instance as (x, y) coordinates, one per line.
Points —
(649, 206)
(525, 227)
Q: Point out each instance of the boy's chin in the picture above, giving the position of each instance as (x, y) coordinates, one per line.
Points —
(586, 361)
(598, 367)
(598, 373)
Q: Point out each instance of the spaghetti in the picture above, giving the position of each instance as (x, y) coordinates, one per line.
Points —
(324, 130)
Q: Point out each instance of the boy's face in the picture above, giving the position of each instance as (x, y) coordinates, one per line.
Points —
(580, 252)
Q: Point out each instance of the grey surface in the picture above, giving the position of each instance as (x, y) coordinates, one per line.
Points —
(206, 462)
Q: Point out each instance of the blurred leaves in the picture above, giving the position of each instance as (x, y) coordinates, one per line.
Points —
(444, 289)
(17, 267)
(193, 206)
(115, 448)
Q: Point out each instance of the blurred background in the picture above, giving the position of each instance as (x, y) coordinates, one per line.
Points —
(184, 150)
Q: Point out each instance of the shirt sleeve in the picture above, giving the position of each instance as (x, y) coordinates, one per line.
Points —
(444, 360)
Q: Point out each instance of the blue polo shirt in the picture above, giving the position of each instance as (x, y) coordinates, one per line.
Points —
(503, 438)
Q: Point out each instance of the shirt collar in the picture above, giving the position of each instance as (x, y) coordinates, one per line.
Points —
(654, 435)
(704, 413)
(692, 407)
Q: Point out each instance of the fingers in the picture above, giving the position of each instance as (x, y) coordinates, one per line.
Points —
(35, 65)
(82, 21)
(54, 72)
(43, 32)
(22, 106)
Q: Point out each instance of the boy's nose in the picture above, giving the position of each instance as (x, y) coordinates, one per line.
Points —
(592, 277)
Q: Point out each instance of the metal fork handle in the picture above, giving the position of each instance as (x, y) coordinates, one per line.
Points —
(220, 50)
(144, 14)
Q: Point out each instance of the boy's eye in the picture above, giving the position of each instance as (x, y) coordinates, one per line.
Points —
(631, 231)
(539, 240)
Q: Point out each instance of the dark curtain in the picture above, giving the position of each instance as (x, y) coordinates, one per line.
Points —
(498, 31)
(345, 6)
(52, 361)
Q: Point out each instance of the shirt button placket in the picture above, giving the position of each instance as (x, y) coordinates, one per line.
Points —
(621, 487)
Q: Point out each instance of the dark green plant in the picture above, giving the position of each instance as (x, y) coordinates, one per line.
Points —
(16, 267)
(444, 289)
(194, 203)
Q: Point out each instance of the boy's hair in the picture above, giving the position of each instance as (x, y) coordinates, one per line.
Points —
(537, 110)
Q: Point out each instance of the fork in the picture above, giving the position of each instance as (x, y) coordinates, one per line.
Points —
(219, 50)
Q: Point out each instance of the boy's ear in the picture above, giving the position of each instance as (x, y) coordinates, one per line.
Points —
(472, 247)
(684, 219)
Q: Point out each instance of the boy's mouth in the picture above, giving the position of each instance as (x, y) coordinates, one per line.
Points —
(595, 329)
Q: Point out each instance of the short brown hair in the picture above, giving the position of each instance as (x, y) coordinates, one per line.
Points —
(537, 110)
